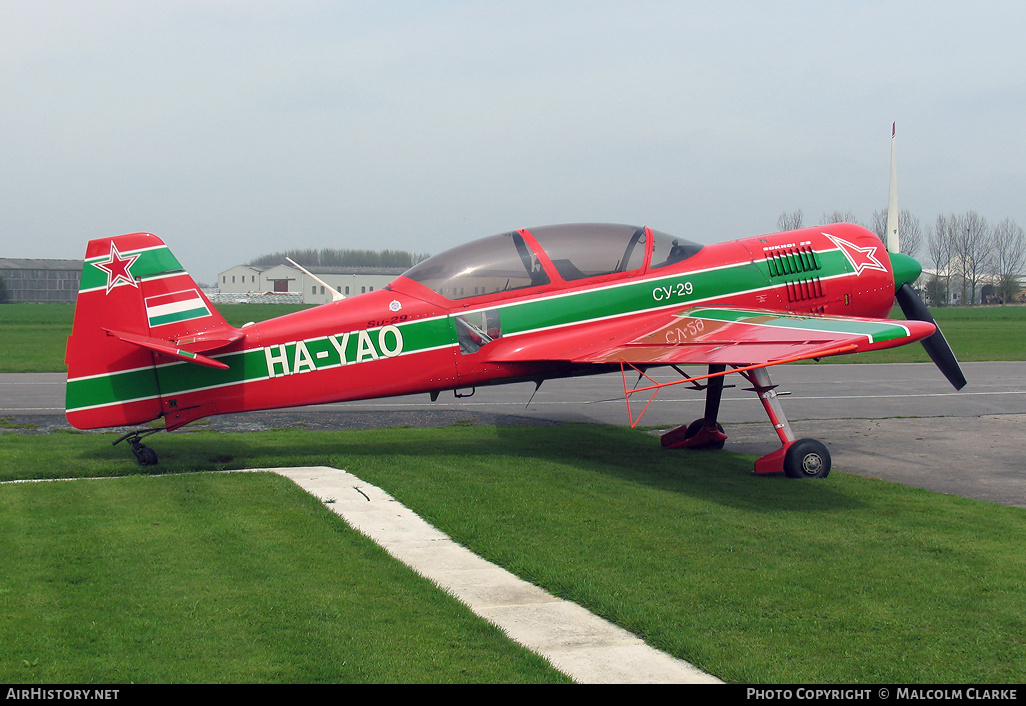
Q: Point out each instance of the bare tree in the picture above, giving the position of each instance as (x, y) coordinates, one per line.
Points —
(840, 217)
(939, 248)
(971, 250)
(910, 233)
(348, 257)
(879, 225)
(790, 221)
(1008, 258)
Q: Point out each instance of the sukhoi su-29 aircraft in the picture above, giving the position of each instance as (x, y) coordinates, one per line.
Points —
(527, 305)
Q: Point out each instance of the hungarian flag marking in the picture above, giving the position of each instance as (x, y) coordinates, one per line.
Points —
(175, 307)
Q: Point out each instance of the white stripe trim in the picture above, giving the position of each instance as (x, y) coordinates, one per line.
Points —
(166, 275)
(177, 307)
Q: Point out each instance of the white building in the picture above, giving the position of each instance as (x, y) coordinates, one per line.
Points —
(348, 281)
(241, 278)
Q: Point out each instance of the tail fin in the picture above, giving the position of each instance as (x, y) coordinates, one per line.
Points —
(136, 308)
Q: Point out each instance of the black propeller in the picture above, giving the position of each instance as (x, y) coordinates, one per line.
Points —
(906, 270)
(936, 345)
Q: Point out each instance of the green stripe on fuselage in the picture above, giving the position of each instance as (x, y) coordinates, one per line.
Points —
(251, 365)
(111, 389)
(634, 297)
(831, 263)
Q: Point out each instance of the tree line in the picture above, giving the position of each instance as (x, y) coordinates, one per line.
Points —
(964, 251)
(333, 257)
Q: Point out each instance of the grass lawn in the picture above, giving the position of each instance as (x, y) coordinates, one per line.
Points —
(208, 577)
(34, 336)
(211, 578)
(974, 333)
(98, 592)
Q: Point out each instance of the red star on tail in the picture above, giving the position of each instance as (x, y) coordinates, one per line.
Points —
(118, 268)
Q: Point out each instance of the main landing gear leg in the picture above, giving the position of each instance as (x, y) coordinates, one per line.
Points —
(143, 454)
(704, 433)
(797, 458)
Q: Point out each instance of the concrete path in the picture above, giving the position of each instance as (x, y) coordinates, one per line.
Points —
(581, 645)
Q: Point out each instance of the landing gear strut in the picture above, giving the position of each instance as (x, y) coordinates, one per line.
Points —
(143, 454)
(704, 433)
(797, 458)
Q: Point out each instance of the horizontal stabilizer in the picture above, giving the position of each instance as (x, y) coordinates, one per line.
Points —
(167, 348)
(211, 340)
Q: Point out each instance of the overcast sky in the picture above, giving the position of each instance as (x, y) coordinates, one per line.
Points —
(232, 129)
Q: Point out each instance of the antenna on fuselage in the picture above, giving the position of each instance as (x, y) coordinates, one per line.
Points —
(336, 296)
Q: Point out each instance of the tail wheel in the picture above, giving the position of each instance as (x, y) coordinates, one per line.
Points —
(807, 458)
(144, 455)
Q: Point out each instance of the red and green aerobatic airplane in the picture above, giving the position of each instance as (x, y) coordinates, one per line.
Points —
(531, 304)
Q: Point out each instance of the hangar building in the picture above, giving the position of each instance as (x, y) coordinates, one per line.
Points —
(30, 280)
(348, 281)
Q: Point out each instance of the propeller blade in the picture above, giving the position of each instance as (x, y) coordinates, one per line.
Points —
(911, 305)
(936, 345)
(891, 239)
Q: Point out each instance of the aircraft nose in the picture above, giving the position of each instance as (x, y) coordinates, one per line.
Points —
(906, 269)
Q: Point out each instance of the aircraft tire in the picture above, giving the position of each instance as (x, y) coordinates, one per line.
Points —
(697, 426)
(807, 458)
(694, 428)
(144, 455)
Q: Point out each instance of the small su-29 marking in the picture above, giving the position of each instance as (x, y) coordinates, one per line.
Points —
(676, 290)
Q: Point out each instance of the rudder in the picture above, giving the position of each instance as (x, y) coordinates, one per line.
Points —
(137, 307)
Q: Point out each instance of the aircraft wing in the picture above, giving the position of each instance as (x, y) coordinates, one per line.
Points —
(711, 335)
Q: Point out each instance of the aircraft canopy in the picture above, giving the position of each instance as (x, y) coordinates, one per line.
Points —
(508, 261)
